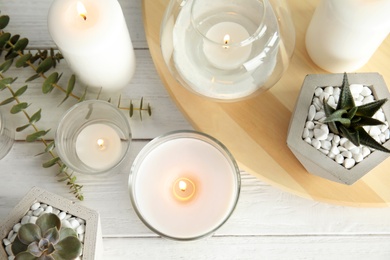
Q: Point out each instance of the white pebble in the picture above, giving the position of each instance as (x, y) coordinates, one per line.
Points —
(380, 115)
(35, 206)
(309, 125)
(330, 137)
(384, 127)
(12, 239)
(349, 145)
(316, 143)
(382, 137)
(308, 140)
(347, 154)
(323, 96)
(312, 113)
(374, 130)
(349, 163)
(319, 115)
(368, 99)
(65, 223)
(318, 91)
(74, 223)
(80, 220)
(387, 134)
(305, 133)
(358, 157)
(6, 242)
(38, 212)
(366, 91)
(335, 150)
(356, 89)
(355, 150)
(80, 229)
(62, 215)
(331, 155)
(29, 213)
(317, 104)
(336, 139)
(25, 220)
(56, 211)
(320, 134)
(49, 209)
(365, 151)
(360, 98)
(324, 151)
(33, 219)
(10, 234)
(16, 227)
(8, 249)
(11, 257)
(44, 206)
(339, 158)
(332, 102)
(326, 145)
(329, 90)
(81, 237)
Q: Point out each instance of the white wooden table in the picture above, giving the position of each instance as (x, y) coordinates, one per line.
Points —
(267, 224)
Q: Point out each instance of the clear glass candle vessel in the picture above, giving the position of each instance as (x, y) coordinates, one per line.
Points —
(184, 185)
(227, 50)
(7, 136)
(93, 137)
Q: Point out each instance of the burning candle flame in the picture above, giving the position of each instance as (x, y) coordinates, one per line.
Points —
(81, 10)
(226, 40)
(100, 143)
(182, 185)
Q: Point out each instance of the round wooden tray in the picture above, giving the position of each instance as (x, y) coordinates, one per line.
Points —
(255, 130)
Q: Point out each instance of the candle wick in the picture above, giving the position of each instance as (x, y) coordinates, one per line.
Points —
(83, 16)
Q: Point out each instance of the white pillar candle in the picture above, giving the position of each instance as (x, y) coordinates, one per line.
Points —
(343, 35)
(98, 146)
(184, 188)
(221, 46)
(93, 37)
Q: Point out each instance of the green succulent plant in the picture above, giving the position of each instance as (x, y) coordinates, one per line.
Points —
(46, 240)
(348, 119)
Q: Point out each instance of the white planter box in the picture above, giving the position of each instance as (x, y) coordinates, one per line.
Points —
(93, 243)
(313, 160)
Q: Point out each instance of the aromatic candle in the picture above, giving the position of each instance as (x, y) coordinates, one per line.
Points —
(184, 185)
(93, 37)
(93, 137)
(7, 135)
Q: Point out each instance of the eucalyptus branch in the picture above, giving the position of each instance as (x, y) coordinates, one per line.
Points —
(38, 135)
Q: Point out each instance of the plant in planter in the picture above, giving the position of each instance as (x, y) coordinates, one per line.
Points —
(46, 240)
(332, 132)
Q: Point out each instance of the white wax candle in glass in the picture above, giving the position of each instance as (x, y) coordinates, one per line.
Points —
(93, 137)
(222, 45)
(184, 185)
(93, 37)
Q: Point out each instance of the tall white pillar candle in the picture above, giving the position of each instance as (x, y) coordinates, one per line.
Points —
(344, 34)
(93, 37)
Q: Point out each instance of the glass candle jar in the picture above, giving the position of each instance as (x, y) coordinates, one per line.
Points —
(93, 137)
(184, 185)
(227, 50)
(7, 136)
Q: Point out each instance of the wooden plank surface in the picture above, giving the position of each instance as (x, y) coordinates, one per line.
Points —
(255, 130)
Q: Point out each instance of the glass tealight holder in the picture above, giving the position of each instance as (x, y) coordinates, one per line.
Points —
(93, 137)
(227, 50)
(184, 185)
(7, 136)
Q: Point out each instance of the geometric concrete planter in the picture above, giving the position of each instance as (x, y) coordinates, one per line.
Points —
(93, 244)
(312, 159)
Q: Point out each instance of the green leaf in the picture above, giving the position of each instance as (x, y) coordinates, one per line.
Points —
(50, 163)
(47, 86)
(67, 232)
(20, 91)
(4, 20)
(48, 221)
(346, 99)
(82, 98)
(35, 76)
(4, 38)
(351, 135)
(69, 89)
(367, 140)
(29, 233)
(149, 110)
(50, 146)
(18, 107)
(35, 136)
(6, 65)
(366, 121)
(25, 256)
(21, 44)
(131, 109)
(52, 235)
(371, 108)
(22, 60)
(21, 128)
(45, 65)
(68, 248)
(7, 101)
(337, 116)
(4, 82)
(35, 117)
(18, 246)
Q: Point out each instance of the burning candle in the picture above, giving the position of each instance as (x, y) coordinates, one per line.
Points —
(93, 137)
(184, 185)
(93, 37)
(222, 46)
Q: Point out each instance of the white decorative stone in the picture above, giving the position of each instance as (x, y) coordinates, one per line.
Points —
(25, 220)
(62, 215)
(335, 150)
(358, 157)
(326, 145)
(80, 229)
(16, 227)
(35, 206)
(310, 125)
(312, 113)
(305, 133)
(349, 163)
(33, 220)
(6, 242)
(347, 154)
(366, 91)
(339, 159)
(49, 209)
(320, 134)
(356, 89)
(38, 212)
(318, 92)
(316, 143)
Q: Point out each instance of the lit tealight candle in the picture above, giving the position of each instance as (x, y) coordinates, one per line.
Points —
(98, 146)
(184, 189)
(222, 48)
(92, 36)
(184, 185)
